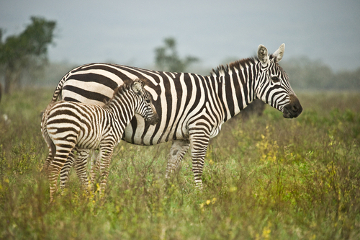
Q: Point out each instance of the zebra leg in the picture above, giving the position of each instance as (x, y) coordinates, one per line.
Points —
(80, 167)
(56, 165)
(177, 152)
(106, 152)
(65, 170)
(95, 165)
(47, 162)
(199, 142)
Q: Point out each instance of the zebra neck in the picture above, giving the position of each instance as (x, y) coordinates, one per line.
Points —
(122, 107)
(236, 86)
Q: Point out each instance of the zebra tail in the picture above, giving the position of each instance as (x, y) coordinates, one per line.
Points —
(56, 94)
(46, 136)
(58, 89)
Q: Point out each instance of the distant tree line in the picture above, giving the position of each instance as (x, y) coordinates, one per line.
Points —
(26, 53)
(305, 73)
(23, 60)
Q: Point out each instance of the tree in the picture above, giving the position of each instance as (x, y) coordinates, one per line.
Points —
(305, 73)
(167, 58)
(27, 50)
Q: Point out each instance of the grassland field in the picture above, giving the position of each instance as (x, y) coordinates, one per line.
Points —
(264, 178)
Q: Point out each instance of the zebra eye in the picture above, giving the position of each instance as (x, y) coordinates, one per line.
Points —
(275, 79)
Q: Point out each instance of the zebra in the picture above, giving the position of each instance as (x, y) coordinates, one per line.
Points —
(191, 107)
(70, 126)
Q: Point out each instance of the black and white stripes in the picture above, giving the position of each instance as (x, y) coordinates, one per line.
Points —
(191, 107)
(71, 126)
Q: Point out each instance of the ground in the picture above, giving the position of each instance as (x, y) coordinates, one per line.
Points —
(264, 178)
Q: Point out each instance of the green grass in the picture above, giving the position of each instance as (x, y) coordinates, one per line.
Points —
(266, 178)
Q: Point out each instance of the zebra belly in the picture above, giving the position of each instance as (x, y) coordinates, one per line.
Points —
(88, 143)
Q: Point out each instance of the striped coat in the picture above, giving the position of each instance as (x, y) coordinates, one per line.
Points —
(191, 107)
(69, 126)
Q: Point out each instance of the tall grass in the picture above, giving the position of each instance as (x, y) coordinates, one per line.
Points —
(266, 178)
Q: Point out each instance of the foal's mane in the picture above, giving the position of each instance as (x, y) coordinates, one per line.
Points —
(119, 90)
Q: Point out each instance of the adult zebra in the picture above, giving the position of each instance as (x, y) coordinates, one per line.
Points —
(191, 107)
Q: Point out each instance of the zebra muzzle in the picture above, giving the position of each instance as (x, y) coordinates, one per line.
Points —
(293, 109)
(154, 120)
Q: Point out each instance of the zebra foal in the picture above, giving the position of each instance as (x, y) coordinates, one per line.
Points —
(70, 126)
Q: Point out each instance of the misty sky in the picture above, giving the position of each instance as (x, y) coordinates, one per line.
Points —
(126, 32)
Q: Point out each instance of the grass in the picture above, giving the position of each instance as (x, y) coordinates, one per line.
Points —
(266, 178)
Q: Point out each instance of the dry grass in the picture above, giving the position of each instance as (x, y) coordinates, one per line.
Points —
(266, 178)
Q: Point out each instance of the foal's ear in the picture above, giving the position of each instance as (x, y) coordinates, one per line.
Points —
(137, 87)
(263, 54)
(278, 54)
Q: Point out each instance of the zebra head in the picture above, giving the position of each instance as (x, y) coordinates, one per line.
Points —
(272, 85)
(145, 107)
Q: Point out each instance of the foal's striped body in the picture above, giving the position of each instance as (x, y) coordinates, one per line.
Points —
(69, 126)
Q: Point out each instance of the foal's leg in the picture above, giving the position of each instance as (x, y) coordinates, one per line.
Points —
(95, 165)
(106, 151)
(47, 161)
(65, 170)
(80, 167)
(56, 165)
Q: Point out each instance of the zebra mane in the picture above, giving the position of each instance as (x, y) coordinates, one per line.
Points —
(240, 64)
(120, 89)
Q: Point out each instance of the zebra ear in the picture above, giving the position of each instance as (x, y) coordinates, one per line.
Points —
(263, 54)
(278, 54)
(137, 87)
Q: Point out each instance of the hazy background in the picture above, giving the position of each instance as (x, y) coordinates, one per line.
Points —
(323, 33)
(128, 31)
